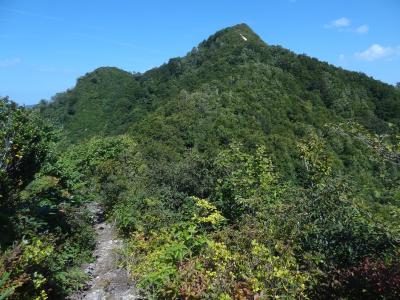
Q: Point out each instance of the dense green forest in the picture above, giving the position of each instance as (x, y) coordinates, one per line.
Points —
(240, 171)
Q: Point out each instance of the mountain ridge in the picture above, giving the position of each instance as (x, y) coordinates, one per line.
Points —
(200, 100)
(226, 81)
(232, 35)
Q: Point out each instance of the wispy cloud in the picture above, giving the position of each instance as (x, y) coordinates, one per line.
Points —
(343, 24)
(377, 51)
(8, 62)
(338, 23)
(363, 29)
(29, 13)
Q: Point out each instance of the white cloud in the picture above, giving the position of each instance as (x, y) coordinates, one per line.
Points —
(362, 29)
(341, 57)
(343, 24)
(339, 23)
(377, 51)
(10, 62)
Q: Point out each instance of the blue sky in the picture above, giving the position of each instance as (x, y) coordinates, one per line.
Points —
(46, 45)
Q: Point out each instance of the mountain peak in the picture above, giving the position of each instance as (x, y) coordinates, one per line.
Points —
(235, 34)
(104, 74)
(238, 28)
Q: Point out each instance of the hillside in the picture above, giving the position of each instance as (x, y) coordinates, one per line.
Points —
(108, 99)
(239, 171)
(234, 87)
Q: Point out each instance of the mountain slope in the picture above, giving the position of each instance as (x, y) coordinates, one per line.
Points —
(234, 87)
(226, 60)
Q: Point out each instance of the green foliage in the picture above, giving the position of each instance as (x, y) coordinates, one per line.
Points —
(338, 225)
(43, 235)
(25, 141)
(207, 214)
(184, 261)
(244, 171)
(284, 241)
(107, 91)
(316, 159)
(5, 291)
(276, 272)
(244, 181)
(155, 260)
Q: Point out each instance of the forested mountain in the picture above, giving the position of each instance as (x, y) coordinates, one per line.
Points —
(240, 171)
(298, 88)
(234, 87)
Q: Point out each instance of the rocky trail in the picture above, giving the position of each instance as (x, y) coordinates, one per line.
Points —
(108, 280)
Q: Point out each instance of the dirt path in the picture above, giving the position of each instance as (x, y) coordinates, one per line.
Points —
(109, 281)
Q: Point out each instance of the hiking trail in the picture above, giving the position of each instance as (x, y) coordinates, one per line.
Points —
(108, 280)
